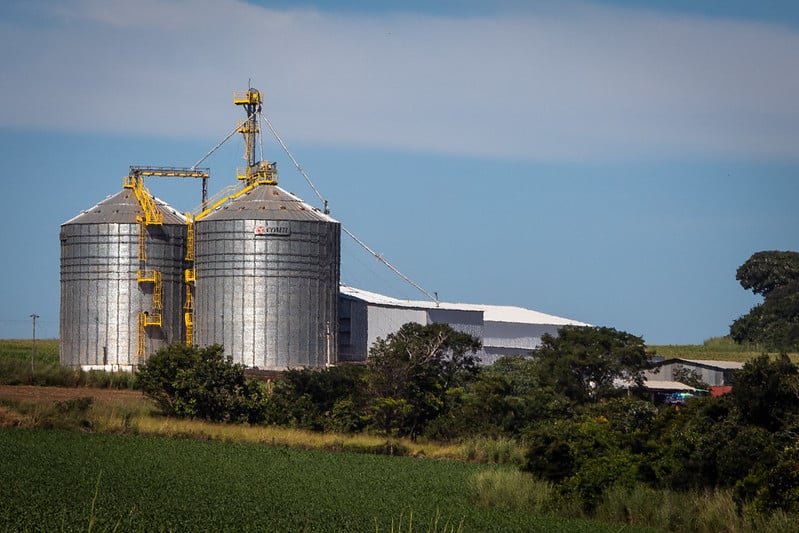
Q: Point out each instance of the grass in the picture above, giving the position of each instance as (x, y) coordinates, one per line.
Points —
(493, 489)
(637, 506)
(18, 372)
(493, 451)
(136, 482)
(15, 367)
(716, 349)
(512, 489)
(47, 351)
(132, 413)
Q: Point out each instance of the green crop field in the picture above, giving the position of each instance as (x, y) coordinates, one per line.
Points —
(57, 481)
(716, 349)
(20, 349)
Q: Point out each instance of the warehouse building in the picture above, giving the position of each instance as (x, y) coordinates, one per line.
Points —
(504, 330)
(714, 373)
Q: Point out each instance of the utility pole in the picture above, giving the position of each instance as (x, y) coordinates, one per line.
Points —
(328, 337)
(34, 316)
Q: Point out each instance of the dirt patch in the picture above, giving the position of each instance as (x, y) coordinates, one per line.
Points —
(32, 393)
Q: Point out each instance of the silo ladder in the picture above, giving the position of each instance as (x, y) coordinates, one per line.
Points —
(154, 277)
(189, 238)
(152, 216)
(145, 319)
(142, 240)
(189, 321)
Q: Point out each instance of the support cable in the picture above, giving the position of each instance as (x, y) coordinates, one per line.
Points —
(296, 164)
(348, 232)
(220, 143)
(389, 265)
(318, 195)
(261, 142)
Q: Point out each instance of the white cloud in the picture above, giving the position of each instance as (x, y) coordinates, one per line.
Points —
(579, 82)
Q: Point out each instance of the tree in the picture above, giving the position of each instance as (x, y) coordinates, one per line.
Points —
(520, 372)
(583, 362)
(766, 271)
(765, 391)
(410, 373)
(313, 398)
(188, 381)
(775, 322)
(689, 376)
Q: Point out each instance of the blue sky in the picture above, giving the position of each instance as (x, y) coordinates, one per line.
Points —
(608, 161)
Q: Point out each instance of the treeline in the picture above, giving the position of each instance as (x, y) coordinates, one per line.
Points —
(582, 433)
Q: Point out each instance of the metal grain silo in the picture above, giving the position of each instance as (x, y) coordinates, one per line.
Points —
(267, 274)
(121, 282)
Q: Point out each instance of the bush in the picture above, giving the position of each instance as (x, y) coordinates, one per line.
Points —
(65, 414)
(193, 382)
(550, 455)
(597, 474)
(317, 399)
(778, 488)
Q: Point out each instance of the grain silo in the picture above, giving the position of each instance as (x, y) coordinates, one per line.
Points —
(266, 266)
(267, 272)
(122, 282)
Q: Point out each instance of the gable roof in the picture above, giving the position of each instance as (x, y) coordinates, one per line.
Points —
(491, 313)
(707, 363)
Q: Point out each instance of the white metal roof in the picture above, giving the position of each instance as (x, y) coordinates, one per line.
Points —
(667, 385)
(734, 365)
(724, 365)
(491, 313)
(661, 384)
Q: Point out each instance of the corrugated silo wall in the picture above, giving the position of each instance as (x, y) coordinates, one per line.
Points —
(270, 299)
(101, 298)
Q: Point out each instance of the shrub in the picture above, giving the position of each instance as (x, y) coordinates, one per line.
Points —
(66, 414)
(317, 399)
(344, 417)
(202, 383)
(776, 489)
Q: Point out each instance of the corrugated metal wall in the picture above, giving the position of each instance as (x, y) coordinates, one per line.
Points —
(270, 298)
(100, 296)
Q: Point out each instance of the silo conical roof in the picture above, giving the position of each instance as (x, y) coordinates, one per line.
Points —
(268, 202)
(123, 207)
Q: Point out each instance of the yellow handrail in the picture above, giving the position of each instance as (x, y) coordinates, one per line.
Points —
(151, 213)
(189, 237)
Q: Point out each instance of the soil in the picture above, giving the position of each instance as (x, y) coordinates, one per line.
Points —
(35, 393)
